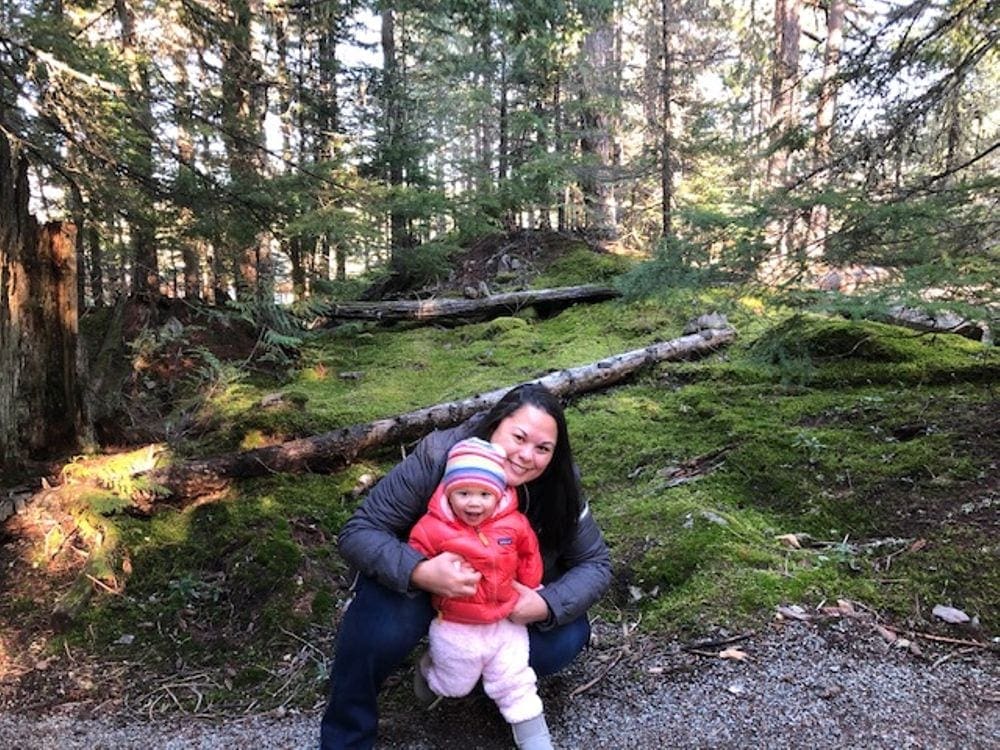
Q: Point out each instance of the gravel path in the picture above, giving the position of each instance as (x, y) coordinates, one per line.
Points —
(834, 684)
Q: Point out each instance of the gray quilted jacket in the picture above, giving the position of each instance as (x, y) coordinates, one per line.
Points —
(374, 539)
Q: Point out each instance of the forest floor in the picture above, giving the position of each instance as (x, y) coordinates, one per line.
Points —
(830, 682)
(222, 636)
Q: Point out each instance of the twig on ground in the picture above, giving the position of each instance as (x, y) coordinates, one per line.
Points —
(103, 585)
(951, 655)
(940, 638)
(715, 643)
(604, 673)
(956, 641)
(290, 634)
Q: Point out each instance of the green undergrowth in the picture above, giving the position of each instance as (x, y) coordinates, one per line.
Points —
(875, 447)
(840, 468)
(361, 375)
(581, 265)
(231, 584)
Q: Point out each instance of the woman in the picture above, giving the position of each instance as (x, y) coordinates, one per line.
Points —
(391, 610)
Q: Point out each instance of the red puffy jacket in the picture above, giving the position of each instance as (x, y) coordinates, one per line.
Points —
(503, 548)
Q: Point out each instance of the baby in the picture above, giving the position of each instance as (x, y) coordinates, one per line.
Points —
(473, 513)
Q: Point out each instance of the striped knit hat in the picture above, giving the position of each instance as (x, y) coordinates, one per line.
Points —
(475, 463)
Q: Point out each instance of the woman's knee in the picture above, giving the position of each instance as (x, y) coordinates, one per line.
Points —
(553, 650)
(384, 621)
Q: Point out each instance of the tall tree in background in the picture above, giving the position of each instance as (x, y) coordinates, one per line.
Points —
(242, 132)
(139, 132)
(826, 108)
(598, 77)
(477, 115)
(783, 127)
(394, 150)
(667, 94)
(784, 100)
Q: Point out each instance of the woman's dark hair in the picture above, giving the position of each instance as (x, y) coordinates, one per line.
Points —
(553, 502)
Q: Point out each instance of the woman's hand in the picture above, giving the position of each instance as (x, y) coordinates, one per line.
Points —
(447, 575)
(530, 606)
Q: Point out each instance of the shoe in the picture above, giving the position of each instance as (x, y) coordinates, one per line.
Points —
(426, 697)
(532, 734)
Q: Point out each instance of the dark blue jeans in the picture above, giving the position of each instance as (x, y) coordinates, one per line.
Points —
(380, 629)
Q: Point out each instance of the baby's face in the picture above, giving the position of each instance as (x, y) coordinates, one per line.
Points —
(472, 505)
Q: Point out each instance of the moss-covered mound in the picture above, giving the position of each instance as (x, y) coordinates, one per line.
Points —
(809, 348)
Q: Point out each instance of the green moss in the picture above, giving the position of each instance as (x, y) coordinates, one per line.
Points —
(960, 567)
(825, 351)
(880, 434)
(322, 605)
(581, 265)
(505, 325)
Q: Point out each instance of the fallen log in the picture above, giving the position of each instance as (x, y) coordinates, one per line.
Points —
(331, 450)
(441, 309)
(940, 322)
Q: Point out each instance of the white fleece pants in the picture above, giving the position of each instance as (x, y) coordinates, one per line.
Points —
(498, 652)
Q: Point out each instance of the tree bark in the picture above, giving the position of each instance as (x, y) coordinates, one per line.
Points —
(334, 449)
(41, 409)
(826, 110)
(597, 139)
(543, 300)
(18, 230)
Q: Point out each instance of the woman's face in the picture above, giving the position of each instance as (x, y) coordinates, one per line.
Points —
(528, 435)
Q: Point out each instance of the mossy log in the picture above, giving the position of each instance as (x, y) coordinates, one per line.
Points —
(444, 309)
(941, 322)
(331, 450)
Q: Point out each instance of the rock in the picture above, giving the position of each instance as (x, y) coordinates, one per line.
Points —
(950, 614)
(706, 322)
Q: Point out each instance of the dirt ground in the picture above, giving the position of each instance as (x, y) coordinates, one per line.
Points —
(824, 682)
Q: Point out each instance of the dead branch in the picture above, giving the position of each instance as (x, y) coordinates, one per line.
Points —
(440, 309)
(331, 450)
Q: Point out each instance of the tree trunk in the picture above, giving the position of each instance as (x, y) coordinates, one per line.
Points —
(596, 142)
(782, 263)
(941, 322)
(18, 231)
(334, 449)
(41, 410)
(145, 270)
(826, 110)
(242, 115)
(784, 88)
(667, 125)
(543, 300)
(394, 132)
(185, 183)
(96, 266)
